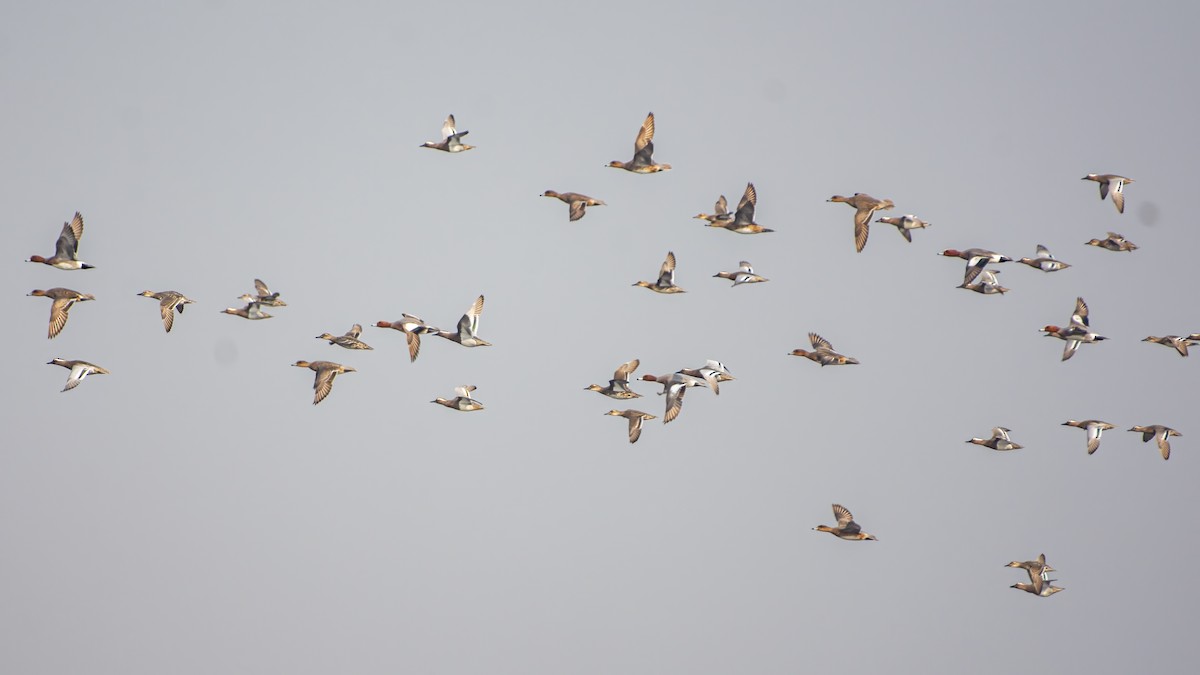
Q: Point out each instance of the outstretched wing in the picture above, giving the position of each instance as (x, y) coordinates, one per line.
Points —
(666, 273)
(745, 209)
(1118, 194)
(645, 136)
(626, 369)
(469, 323)
(843, 515)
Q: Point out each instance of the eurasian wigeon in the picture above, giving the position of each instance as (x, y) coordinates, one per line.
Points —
(864, 207)
(66, 248)
(742, 221)
(413, 328)
(846, 527)
(643, 151)
(326, 371)
(578, 203)
(63, 299)
(666, 278)
(822, 353)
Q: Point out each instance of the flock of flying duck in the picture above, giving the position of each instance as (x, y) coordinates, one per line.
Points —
(979, 276)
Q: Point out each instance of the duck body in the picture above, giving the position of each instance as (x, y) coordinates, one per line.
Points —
(675, 385)
(635, 417)
(578, 203)
(169, 302)
(666, 278)
(864, 206)
(742, 220)
(1044, 261)
(451, 138)
(1161, 435)
(1177, 342)
(618, 386)
(1036, 568)
(252, 312)
(347, 341)
(66, 247)
(906, 224)
(984, 282)
(463, 402)
(468, 327)
(744, 275)
(1038, 587)
(1111, 183)
(1113, 242)
(720, 216)
(822, 353)
(712, 372)
(62, 301)
(1077, 332)
(326, 371)
(643, 152)
(846, 528)
(79, 370)
(262, 296)
(977, 259)
(1094, 429)
(999, 440)
(413, 328)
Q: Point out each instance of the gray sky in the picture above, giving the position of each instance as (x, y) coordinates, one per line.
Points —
(192, 512)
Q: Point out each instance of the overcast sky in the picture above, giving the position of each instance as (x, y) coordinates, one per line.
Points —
(192, 512)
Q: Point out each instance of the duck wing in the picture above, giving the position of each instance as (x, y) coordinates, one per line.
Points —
(819, 342)
(844, 518)
(666, 273)
(625, 370)
(67, 243)
(468, 325)
(745, 209)
(1118, 193)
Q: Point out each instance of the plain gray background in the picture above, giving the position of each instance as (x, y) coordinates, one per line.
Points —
(192, 512)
